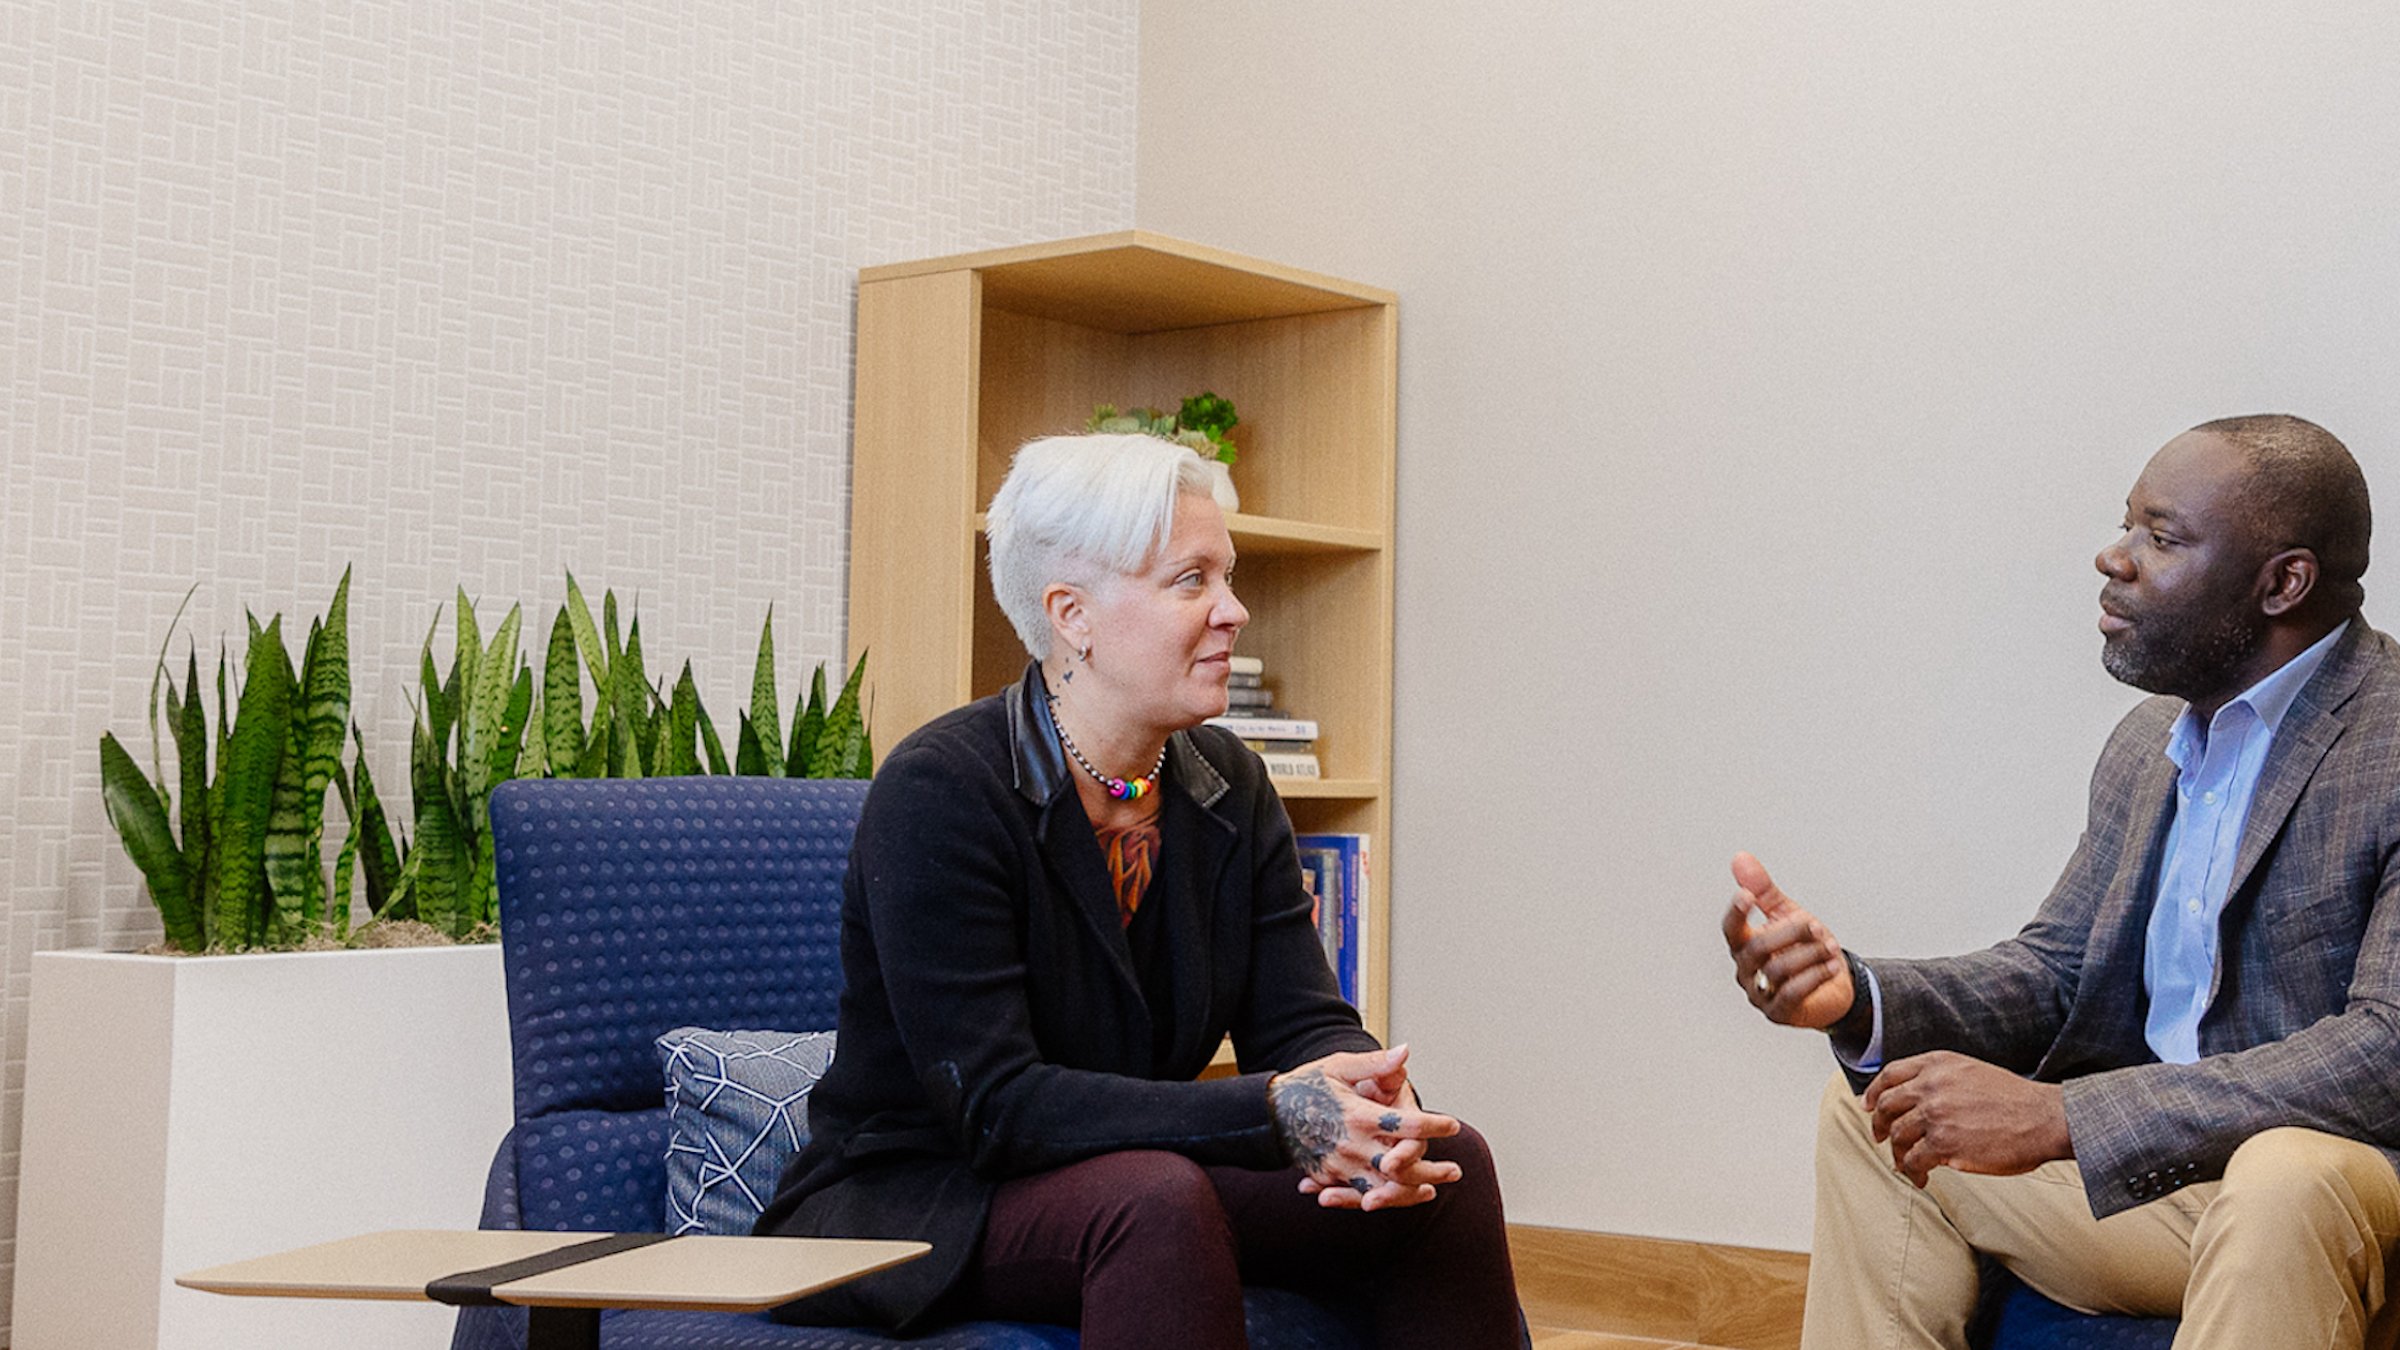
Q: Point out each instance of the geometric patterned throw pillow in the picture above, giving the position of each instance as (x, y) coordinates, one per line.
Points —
(737, 1110)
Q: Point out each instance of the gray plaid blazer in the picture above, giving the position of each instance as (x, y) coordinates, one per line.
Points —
(2303, 1025)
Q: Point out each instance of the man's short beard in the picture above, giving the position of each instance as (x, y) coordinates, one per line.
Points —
(2187, 660)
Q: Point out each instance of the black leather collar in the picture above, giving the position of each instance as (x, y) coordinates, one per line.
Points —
(1042, 765)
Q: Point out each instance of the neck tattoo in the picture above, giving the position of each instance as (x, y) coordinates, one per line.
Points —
(1118, 789)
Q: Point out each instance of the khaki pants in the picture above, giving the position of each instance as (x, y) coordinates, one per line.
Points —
(2287, 1251)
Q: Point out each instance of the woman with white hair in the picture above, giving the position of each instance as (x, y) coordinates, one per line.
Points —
(1061, 899)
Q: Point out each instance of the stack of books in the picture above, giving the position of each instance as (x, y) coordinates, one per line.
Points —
(1287, 744)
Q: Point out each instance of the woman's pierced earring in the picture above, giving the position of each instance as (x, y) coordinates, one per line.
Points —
(1085, 655)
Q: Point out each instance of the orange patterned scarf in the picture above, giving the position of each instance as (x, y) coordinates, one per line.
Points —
(1131, 851)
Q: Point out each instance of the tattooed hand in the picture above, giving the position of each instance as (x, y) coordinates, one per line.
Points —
(1352, 1125)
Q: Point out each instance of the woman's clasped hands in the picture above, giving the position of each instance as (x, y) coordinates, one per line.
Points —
(1351, 1123)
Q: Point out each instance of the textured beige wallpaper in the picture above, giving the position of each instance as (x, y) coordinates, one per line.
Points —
(462, 292)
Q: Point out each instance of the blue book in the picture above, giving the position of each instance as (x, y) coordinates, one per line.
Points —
(1334, 869)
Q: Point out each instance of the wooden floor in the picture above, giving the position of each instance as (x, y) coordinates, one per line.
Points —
(1605, 1291)
(1549, 1338)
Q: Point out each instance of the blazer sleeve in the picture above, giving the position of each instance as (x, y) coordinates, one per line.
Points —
(940, 877)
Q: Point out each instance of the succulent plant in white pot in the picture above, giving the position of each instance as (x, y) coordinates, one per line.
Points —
(1204, 422)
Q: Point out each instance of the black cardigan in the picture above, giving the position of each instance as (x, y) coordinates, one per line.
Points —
(992, 1023)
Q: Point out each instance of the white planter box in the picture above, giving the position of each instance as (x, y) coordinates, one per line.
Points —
(182, 1112)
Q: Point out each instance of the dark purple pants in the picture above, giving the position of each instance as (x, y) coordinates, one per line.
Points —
(1148, 1250)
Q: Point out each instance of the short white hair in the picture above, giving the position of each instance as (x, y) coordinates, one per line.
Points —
(1077, 509)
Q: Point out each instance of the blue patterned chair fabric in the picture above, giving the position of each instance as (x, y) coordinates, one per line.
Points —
(634, 907)
(2013, 1317)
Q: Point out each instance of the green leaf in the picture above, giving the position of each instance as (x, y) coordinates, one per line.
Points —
(533, 760)
(441, 700)
(710, 743)
(507, 751)
(608, 632)
(764, 721)
(287, 836)
(466, 652)
(190, 728)
(345, 867)
(654, 752)
(140, 818)
(842, 744)
(438, 861)
(624, 750)
(562, 695)
(403, 904)
(683, 726)
(587, 637)
(1207, 413)
(594, 763)
(377, 855)
(630, 697)
(484, 724)
(483, 887)
(748, 760)
(261, 728)
(159, 676)
(808, 724)
(313, 761)
(224, 715)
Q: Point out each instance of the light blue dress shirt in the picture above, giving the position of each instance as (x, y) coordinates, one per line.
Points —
(2217, 773)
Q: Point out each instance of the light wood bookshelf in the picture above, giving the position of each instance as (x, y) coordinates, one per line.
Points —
(962, 359)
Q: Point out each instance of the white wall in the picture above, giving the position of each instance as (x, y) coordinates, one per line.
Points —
(464, 292)
(1769, 375)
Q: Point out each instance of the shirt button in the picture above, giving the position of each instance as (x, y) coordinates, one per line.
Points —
(2191, 906)
(2208, 797)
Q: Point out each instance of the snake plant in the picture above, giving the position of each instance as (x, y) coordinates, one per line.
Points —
(469, 736)
(233, 851)
(638, 729)
(826, 742)
(242, 863)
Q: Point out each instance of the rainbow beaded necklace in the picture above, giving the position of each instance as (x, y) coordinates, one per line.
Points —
(1118, 789)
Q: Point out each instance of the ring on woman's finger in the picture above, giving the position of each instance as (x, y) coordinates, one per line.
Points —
(1361, 1185)
(1759, 983)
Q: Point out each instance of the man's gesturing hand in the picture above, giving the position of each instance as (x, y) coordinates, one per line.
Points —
(1789, 966)
(1947, 1110)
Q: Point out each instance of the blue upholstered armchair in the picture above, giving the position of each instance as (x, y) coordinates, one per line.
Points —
(632, 908)
(2013, 1317)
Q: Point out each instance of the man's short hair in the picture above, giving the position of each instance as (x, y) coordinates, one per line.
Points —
(2305, 492)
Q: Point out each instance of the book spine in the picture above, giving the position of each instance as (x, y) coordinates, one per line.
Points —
(1269, 728)
(1354, 914)
(1248, 698)
(1247, 665)
(1347, 861)
(1287, 764)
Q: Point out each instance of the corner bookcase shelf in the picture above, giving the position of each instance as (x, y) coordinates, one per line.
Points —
(963, 359)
